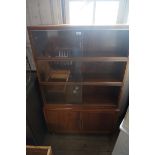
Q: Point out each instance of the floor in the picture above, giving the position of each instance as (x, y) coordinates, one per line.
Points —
(81, 144)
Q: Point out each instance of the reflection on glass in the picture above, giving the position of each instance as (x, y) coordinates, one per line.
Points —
(60, 44)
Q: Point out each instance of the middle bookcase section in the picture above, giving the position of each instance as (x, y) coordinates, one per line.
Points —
(80, 94)
(81, 72)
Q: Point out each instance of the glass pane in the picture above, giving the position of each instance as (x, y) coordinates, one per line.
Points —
(57, 43)
(102, 71)
(106, 43)
(100, 95)
(81, 12)
(106, 12)
(63, 94)
(59, 71)
(75, 71)
(73, 43)
(78, 94)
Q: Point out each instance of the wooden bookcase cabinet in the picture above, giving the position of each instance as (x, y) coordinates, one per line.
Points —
(83, 72)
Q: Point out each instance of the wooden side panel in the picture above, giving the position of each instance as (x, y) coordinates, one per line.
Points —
(124, 91)
(62, 120)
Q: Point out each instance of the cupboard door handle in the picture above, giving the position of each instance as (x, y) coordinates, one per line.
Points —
(81, 124)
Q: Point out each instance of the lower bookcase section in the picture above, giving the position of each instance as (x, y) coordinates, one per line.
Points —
(80, 119)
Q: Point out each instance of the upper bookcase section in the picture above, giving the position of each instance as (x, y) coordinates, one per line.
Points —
(79, 41)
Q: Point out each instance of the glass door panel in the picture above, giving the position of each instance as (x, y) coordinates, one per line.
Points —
(60, 94)
(103, 71)
(80, 94)
(76, 71)
(106, 43)
(59, 71)
(100, 95)
(56, 43)
(78, 43)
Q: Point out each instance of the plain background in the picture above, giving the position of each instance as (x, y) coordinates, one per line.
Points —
(13, 77)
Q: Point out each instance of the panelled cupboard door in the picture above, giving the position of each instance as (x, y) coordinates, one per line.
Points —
(81, 121)
(98, 121)
(62, 120)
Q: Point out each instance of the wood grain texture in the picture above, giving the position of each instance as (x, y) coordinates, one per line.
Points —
(78, 120)
(98, 121)
(62, 120)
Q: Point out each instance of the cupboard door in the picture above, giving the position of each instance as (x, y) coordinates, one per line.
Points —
(62, 120)
(98, 121)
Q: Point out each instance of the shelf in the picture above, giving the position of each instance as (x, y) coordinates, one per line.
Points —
(75, 27)
(85, 59)
(82, 106)
(84, 83)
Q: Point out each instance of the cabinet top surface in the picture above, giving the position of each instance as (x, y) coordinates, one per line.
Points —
(84, 27)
